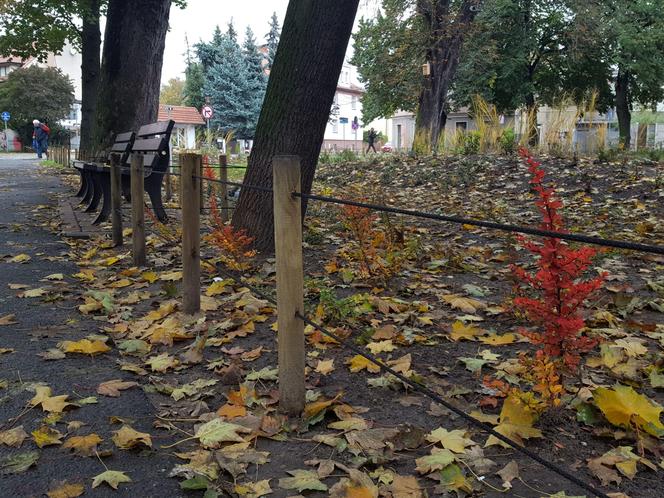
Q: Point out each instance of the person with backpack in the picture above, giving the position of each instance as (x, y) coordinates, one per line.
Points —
(371, 139)
(40, 138)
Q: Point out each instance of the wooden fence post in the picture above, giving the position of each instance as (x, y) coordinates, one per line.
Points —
(137, 210)
(169, 187)
(191, 238)
(201, 202)
(116, 199)
(288, 251)
(223, 176)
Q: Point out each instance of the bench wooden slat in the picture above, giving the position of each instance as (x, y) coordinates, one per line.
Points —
(150, 145)
(124, 137)
(160, 128)
(121, 147)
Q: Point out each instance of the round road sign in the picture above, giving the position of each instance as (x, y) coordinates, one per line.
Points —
(207, 112)
(5, 116)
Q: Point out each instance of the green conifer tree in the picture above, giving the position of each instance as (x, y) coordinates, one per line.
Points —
(272, 39)
(256, 82)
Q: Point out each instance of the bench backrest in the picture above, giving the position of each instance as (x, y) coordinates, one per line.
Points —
(152, 143)
(123, 145)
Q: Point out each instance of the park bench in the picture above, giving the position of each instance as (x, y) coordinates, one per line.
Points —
(92, 171)
(151, 143)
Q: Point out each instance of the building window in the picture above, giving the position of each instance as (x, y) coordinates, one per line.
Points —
(335, 126)
(462, 125)
(353, 102)
(3, 71)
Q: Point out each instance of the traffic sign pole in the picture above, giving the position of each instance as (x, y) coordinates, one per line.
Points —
(5, 117)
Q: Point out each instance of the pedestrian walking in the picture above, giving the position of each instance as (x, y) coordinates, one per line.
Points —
(371, 139)
(40, 138)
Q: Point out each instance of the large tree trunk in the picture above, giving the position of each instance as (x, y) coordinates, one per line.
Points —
(131, 66)
(90, 67)
(302, 84)
(623, 108)
(448, 32)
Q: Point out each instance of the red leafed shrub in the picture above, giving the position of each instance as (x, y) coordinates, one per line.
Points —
(558, 291)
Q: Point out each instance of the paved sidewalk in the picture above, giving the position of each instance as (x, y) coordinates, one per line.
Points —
(27, 201)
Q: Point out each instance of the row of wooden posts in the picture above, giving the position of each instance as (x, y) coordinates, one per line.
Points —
(288, 252)
(60, 154)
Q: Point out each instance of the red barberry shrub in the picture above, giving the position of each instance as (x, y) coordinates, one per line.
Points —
(557, 291)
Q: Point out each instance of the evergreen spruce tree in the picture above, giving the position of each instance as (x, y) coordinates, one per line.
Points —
(256, 82)
(226, 85)
(230, 32)
(272, 40)
(210, 54)
(193, 85)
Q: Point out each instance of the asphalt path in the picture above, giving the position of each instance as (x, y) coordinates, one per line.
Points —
(28, 198)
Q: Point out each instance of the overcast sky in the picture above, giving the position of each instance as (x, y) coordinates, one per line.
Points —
(199, 19)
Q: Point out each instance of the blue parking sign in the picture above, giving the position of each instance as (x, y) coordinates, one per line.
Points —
(5, 116)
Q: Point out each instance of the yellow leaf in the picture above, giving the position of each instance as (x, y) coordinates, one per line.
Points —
(216, 288)
(84, 346)
(34, 292)
(358, 362)
(462, 331)
(110, 261)
(83, 445)
(66, 491)
(515, 422)
(127, 438)
(623, 406)
(149, 276)
(171, 276)
(313, 409)
(633, 347)
(119, 284)
(324, 367)
(46, 436)
(164, 310)
(20, 258)
(49, 403)
(231, 411)
(162, 362)
(381, 347)
(498, 340)
(55, 276)
(455, 440)
(111, 477)
(86, 275)
(465, 304)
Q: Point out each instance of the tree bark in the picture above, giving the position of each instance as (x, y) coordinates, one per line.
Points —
(90, 67)
(448, 33)
(300, 91)
(131, 66)
(623, 108)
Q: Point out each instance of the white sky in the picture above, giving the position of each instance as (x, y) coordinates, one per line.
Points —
(199, 19)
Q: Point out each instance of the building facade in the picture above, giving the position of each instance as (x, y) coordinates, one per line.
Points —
(344, 128)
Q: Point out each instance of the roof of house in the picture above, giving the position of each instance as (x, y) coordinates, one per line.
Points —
(12, 59)
(180, 114)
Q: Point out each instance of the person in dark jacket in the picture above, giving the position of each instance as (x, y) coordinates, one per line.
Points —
(40, 138)
(371, 139)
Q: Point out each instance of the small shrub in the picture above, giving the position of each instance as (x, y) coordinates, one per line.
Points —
(471, 143)
(508, 141)
(558, 290)
(348, 156)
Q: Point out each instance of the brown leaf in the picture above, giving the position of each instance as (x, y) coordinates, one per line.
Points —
(508, 474)
(113, 387)
(65, 490)
(13, 437)
(84, 446)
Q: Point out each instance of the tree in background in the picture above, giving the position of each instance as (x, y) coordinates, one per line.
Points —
(526, 53)
(391, 50)
(297, 104)
(133, 54)
(36, 93)
(226, 84)
(272, 39)
(36, 28)
(635, 39)
(173, 92)
(193, 85)
(256, 82)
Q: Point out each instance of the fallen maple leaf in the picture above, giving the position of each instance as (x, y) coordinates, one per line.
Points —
(437, 460)
(162, 362)
(359, 362)
(111, 477)
(216, 431)
(113, 387)
(128, 438)
(302, 480)
(8, 319)
(46, 436)
(455, 440)
(13, 437)
(20, 258)
(65, 490)
(325, 367)
(84, 346)
(515, 422)
(49, 403)
(254, 489)
(623, 406)
(462, 331)
(84, 446)
(465, 304)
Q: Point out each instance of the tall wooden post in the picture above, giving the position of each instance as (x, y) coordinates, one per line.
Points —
(116, 199)
(191, 226)
(137, 210)
(223, 176)
(288, 251)
(201, 203)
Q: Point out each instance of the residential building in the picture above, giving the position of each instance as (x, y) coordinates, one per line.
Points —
(186, 120)
(341, 132)
(9, 64)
